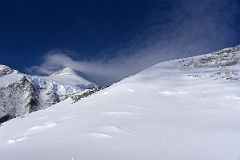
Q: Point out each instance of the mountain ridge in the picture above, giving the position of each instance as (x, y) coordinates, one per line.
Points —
(38, 92)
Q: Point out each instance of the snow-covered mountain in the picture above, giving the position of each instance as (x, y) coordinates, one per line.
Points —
(21, 93)
(16, 94)
(177, 110)
(58, 86)
(68, 76)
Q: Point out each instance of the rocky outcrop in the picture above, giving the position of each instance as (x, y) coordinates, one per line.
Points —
(85, 93)
(17, 99)
(219, 59)
(221, 64)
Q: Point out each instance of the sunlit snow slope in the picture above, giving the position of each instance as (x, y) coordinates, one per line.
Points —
(186, 109)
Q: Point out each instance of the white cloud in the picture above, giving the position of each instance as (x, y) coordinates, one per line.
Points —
(195, 27)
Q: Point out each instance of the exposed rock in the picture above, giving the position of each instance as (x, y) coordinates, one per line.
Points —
(84, 94)
(220, 62)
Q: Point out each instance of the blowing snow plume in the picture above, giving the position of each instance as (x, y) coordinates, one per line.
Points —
(190, 28)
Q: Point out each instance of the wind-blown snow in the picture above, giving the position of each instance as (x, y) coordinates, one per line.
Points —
(165, 112)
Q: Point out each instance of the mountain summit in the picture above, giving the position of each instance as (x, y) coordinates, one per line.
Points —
(65, 71)
(69, 76)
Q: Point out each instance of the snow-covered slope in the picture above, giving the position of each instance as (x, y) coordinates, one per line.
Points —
(21, 94)
(178, 110)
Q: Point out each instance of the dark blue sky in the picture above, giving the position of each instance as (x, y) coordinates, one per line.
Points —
(88, 30)
(28, 29)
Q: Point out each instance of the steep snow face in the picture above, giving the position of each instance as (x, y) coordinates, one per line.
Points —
(21, 94)
(160, 113)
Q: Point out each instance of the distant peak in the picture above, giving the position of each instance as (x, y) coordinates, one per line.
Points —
(67, 69)
(69, 76)
(64, 71)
